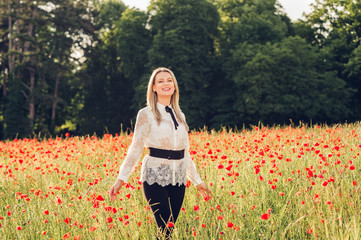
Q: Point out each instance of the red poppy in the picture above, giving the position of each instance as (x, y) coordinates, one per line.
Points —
(99, 198)
(67, 220)
(207, 198)
(92, 228)
(265, 216)
(66, 236)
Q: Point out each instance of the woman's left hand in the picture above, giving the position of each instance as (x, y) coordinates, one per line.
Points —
(203, 189)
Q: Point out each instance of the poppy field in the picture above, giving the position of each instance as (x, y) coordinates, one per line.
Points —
(267, 183)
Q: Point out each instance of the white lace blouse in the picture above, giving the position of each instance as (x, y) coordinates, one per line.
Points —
(147, 133)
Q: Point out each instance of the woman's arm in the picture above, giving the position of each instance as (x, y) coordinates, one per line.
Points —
(141, 131)
(136, 148)
(191, 171)
(193, 175)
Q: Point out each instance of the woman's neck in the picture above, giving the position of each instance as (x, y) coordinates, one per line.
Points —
(164, 101)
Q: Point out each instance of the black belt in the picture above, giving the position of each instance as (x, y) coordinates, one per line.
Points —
(169, 154)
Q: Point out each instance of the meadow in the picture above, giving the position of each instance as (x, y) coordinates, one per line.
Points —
(291, 182)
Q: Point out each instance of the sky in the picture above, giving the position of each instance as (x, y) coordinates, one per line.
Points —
(293, 8)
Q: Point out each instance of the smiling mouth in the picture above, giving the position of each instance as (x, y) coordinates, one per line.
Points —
(166, 89)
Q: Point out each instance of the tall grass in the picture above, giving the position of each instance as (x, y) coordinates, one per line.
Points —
(267, 183)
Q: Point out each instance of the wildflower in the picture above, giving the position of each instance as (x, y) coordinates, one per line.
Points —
(66, 236)
(67, 220)
(92, 228)
(265, 216)
(100, 198)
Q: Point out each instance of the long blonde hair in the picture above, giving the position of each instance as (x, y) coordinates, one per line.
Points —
(152, 97)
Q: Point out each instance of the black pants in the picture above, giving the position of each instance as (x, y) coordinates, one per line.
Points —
(165, 203)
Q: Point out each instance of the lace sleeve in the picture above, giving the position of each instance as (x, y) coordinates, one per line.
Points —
(191, 170)
(136, 148)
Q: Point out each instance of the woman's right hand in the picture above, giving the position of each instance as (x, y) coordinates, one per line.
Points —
(114, 190)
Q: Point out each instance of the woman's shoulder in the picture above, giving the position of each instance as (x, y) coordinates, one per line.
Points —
(183, 116)
(144, 111)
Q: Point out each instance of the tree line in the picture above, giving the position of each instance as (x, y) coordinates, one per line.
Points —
(83, 66)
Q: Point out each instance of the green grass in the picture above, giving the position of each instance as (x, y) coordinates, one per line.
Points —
(294, 163)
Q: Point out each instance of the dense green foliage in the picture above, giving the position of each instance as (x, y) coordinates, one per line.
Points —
(83, 66)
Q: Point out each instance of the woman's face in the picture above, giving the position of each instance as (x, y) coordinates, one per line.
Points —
(163, 84)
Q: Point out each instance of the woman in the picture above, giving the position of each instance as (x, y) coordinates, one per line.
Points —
(162, 127)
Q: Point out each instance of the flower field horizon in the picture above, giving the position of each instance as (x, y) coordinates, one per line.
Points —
(267, 183)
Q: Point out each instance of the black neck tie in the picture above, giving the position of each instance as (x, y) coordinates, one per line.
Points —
(168, 109)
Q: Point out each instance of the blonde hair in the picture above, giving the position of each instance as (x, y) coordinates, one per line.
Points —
(152, 97)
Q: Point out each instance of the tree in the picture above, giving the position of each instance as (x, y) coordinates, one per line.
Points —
(183, 33)
(109, 89)
(353, 75)
(243, 22)
(337, 28)
(42, 35)
(15, 121)
(287, 80)
(271, 75)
